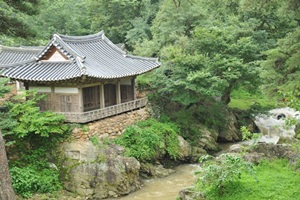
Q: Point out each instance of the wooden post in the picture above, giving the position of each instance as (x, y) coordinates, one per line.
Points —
(6, 190)
(118, 92)
(102, 97)
(133, 88)
(80, 100)
(53, 100)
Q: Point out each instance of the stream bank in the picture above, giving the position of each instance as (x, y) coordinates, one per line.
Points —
(166, 188)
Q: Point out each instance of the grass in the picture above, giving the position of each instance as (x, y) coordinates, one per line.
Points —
(245, 104)
(243, 100)
(276, 181)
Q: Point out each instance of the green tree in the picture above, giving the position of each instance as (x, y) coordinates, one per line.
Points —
(281, 69)
(212, 63)
(141, 24)
(6, 190)
(24, 119)
(114, 17)
(65, 17)
(15, 19)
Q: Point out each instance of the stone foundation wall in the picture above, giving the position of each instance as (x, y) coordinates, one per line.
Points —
(111, 126)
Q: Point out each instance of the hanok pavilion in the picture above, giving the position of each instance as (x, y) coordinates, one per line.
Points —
(86, 78)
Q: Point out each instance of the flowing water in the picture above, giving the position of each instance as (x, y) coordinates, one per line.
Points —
(273, 125)
(166, 188)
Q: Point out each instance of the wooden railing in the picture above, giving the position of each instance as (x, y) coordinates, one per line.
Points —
(83, 117)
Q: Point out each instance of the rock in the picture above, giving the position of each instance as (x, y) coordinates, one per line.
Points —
(148, 170)
(231, 132)
(264, 150)
(276, 151)
(97, 173)
(77, 133)
(185, 150)
(253, 157)
(197, 153)
(189, 194)
(269, 139)
(207, 140)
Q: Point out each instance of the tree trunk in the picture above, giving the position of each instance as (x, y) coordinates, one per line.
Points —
(226, 98)
(6, 190)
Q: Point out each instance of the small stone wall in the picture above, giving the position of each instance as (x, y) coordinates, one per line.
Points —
(111, 126)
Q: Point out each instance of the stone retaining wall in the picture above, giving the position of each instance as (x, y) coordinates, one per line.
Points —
(111, 126)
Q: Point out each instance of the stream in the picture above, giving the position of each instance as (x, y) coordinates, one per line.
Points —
(166, 188)
(271, 126)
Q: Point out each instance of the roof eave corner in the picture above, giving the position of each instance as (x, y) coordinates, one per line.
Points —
(82, 67)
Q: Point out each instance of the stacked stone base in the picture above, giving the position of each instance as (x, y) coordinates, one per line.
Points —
(111, 126)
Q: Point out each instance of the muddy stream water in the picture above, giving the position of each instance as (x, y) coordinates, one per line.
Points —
(166, 188)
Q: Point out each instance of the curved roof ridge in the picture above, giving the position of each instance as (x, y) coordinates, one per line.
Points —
(111, 44)
(21, 49)
(57, 39)
(17, 63)
(142, 58)
(66, 47)
(83, 38)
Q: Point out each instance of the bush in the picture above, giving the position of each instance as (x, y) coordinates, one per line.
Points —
(275, 179)
(24, 118)
(148, 140)
(219, 174)
(27, 180)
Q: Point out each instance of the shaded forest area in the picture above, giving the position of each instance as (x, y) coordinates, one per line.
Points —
(208, 48)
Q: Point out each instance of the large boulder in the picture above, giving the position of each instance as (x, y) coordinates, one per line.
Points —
(231, 132)
(149, 170)
(208, 140)
(190, 194)
(98, 171)
(265, 150)
(185, 150)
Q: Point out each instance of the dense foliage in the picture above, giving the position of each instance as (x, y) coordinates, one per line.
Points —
(32, 137)
(207, 47)
(217, 175)
(150, 140)
(210, 50)
(275, 179)
(24, 119)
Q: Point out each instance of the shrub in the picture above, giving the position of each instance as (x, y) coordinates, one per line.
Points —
(149, 139)
(27, 180)
(24, 118)
(218, 174)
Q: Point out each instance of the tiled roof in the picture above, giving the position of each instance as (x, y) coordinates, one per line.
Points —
(92, 55)
(9, 55)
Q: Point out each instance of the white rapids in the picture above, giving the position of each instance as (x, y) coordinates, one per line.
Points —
(273, 125)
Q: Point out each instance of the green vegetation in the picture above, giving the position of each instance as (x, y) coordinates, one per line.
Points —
(24, 119)
(274, 180)
(28, 180)
(243, 100)
(215, 55)
(149, 140)
(32, 137)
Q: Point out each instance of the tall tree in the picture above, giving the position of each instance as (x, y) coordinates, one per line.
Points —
(69, 17)
(114, 17)
(14, 20)
(6, 190)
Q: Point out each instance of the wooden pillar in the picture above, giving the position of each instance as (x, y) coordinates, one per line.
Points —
(118, 92)
(52, 100)
(133, 88)
(102, 97)
(80, 100)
